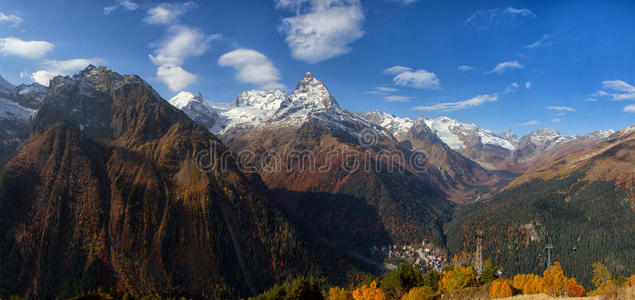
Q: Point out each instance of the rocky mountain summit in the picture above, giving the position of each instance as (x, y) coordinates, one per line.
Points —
(107, 192)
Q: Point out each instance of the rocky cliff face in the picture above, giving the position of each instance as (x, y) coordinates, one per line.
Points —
(109, 192)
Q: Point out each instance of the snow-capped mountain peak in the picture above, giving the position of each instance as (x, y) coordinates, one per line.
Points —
(313, 94)
(398, 126)
(181, 99)
(265, 100)
(509, 135)
(547, 138)
(601, 134)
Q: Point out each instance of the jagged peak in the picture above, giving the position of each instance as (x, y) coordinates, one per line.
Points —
(545, 132)
(313, 94)
(181, 99)
(5, 86)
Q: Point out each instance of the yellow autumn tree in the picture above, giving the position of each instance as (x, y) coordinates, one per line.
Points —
(554, 282)
(527, 283)
(574, 289)
(457, 277)
(601, 275)
(501, 288)
(602, 280)
(338, 293)
(419, 293)
(369, 292)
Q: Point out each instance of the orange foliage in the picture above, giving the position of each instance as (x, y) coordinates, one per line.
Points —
(501, 288)
(419, 293)
(554, 282)
(574, 289)
(369, 292)
(527, 283)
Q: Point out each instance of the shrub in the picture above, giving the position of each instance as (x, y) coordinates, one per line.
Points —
(401, 280)
(369, 292)
(337, 293)
(457, 277)
(527, 283)
(574, 289)
(432, 279)
(300, 288)
(501, 288)
(419, 293)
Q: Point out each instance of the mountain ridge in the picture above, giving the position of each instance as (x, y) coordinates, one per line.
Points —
(494, 151)
(117, 199)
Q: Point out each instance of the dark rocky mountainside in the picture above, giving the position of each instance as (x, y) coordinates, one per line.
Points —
(107, 192)
(397, 193)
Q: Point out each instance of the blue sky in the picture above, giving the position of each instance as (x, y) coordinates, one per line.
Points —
(521, 65)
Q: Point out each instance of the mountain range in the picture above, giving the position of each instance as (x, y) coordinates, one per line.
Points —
(104, 183)
(502, 151)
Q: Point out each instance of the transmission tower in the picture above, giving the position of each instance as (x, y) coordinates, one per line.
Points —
(478, 259)
(548, 247)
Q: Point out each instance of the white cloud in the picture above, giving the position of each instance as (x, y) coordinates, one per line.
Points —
(504, 66)
(396, 70)
(618, 85)
(561, 108)
(252, 67)
(465, 68)
(529, 123)
(527, 84)
(515, 12)
(562, 113)
(512, 88)
(53, 68)
(175, 77)
(126, 5)
(181, 43)
(27, 49)
(167, 13)
(386, 89)
(452, 106)
(420, 79)
(484, 18)
(395, 98)
(629, 108)
(620, 90)
(542, 42)
(556, 120)
(321, 29)
(10, 19)
(590, 99)
(381, 90)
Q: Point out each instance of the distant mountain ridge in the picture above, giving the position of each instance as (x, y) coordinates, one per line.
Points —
(257, 110)
(494, 151)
